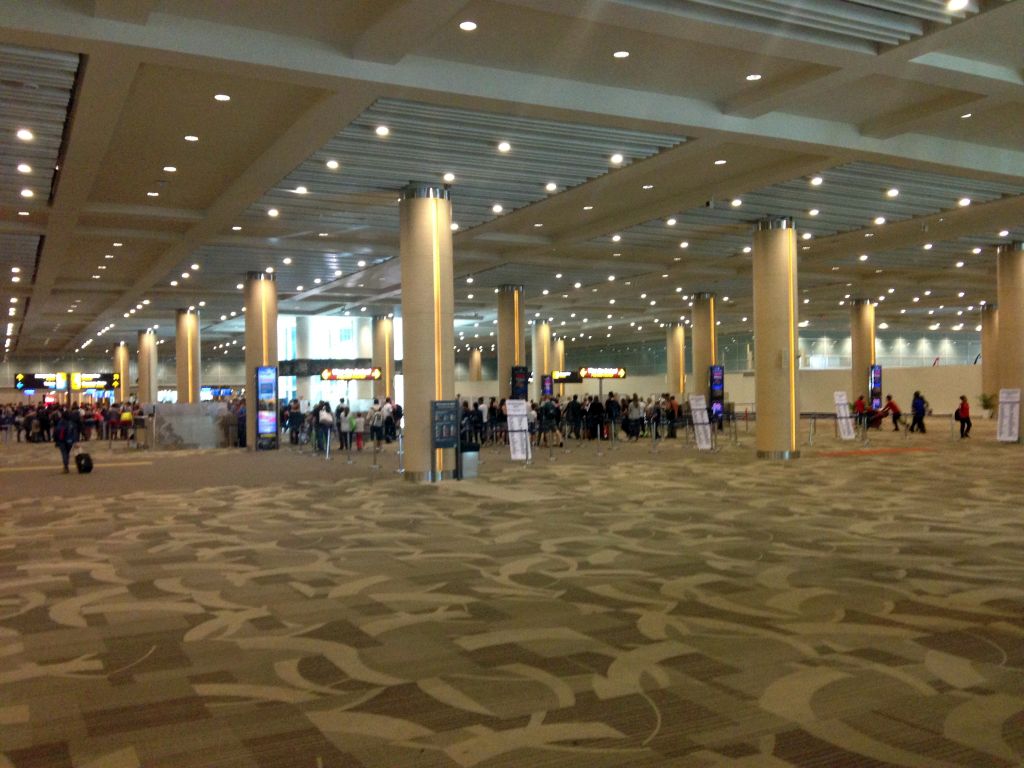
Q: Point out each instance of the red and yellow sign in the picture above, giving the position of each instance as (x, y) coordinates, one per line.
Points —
(602, 373)
(350, 374)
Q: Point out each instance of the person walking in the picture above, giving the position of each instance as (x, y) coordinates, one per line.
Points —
(890, 408)
(963, 415)
(65, 434)
(918, 409)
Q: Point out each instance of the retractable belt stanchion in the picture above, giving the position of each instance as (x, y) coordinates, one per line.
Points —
(811, 428)
(376, 454)
(327, 444)
(348, 446)
(653, 427)
(401, 451)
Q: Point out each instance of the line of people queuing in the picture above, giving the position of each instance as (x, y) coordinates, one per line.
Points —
(589, 418)
(319, 422)
(35, 422)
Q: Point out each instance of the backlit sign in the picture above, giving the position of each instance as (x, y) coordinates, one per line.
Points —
(602, 373)
(81, 381)
(566, 377)
(54, 381)
(350, 374)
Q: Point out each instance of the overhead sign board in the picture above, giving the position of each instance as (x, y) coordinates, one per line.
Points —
(54, 381)
(350, 374)
(566, 377)
(602, 373)
(80, 381)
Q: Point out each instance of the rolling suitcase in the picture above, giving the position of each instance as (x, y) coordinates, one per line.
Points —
(83, 462)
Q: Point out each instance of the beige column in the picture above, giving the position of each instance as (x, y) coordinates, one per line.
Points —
(384, 356)
(364, 390)
(511, 335)
(1010, 287)
(862, 347)
(187, 357)
(990, 350)
(303, 351)
(428, 308)
(476, 365)
(260, 340)
(121, 369)
(704, 341)
(559, 362)
(675, 341)
(147, 367)
(775, 338)
(541, 349)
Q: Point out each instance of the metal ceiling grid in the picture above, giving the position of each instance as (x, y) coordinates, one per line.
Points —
(426, 141)
(860, 24)
(35, 90)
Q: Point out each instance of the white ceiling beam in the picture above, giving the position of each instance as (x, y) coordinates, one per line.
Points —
(403, 27)
(131, 11)
(916, 116)
(104, 84)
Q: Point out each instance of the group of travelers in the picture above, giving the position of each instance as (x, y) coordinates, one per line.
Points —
(35, 422)
(318, 424)
(589, 418)
(870, 417)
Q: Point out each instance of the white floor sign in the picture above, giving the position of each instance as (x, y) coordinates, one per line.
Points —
(843, 416)
(1008, 428)
(701, 424)
(518, 430)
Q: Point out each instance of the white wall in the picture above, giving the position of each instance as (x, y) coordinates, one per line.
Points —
(941, 386)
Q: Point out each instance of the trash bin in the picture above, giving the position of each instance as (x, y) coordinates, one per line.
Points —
(470, 460)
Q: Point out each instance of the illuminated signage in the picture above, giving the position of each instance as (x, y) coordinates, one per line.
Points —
(54, 381)
(602, 373)
(81, 381)
(350, 374)
(566, 377)
(266, 406)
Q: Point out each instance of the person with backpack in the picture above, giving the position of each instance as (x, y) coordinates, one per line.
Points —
(963, 415)
(918, 408)
(65, 434)
(375, 418)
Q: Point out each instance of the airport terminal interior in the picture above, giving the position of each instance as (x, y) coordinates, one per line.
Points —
(706, 323)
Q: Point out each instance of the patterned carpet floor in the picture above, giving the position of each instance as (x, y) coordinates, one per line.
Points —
(857, 607)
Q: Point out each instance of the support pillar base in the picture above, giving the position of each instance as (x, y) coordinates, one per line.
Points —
(778, 455)
(429, 477)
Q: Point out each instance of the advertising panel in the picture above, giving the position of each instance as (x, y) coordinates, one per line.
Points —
(444, 423)
(520, 382)
(843, 416)
(875, 386)
(1008, 426)
(266, 407)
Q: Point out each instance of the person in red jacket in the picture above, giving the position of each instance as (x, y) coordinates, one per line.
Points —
(890, 407)
(963, 415)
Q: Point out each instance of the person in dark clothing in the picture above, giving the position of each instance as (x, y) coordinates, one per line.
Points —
(66, 433)
(918, 408)
(963, 415)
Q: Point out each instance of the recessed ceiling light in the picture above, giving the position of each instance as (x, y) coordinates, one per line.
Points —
(236, 228)
(736, 203)
(448, 178)
(273, 213)
(616, 238)
(684, 244)
(332, 164)
(174, 283)
(317, 280)
(863, 257)
(588, 207)
(467, 26)
(648, 186)
(27, 193)
(963, 202)
(956, 5)
(538, 225)
(185, 275)
(813, 212)
(721, 162)
(616, 159)
(551, 186)
(360, 263)
(301, 191)
(269, 270)
(286, 260)
(504, 146)
(1004, 233)
(621, 54)
(671, 222)
(24, 168)
(747, 249)
(221, 97)
(152, 194)
(611, 278)
(382, 130)
(753, 77)
(959, 265)
(190, 137)
(23, 213)
(337, 273)
(806, 235)
(880, 220)
(496, 208)
(966, 115)
(893, 192)
(817, 181)
(454, 226)
(25, 134)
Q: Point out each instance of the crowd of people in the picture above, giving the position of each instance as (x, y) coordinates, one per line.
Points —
(317, 424)
(35, 422)
(870, 417)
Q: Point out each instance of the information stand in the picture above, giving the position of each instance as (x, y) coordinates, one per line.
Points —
(843, 417)
(1008, 426)
(444, 432)
(266, 408)
(518, 430)
(701, 422)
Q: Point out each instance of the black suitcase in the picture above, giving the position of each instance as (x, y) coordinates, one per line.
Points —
(83, 462)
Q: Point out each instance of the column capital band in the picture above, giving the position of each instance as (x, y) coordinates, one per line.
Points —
(419, 190)
(769, 223)
(261, 276)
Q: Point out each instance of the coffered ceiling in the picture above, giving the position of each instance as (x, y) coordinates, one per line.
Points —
(165, 132)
